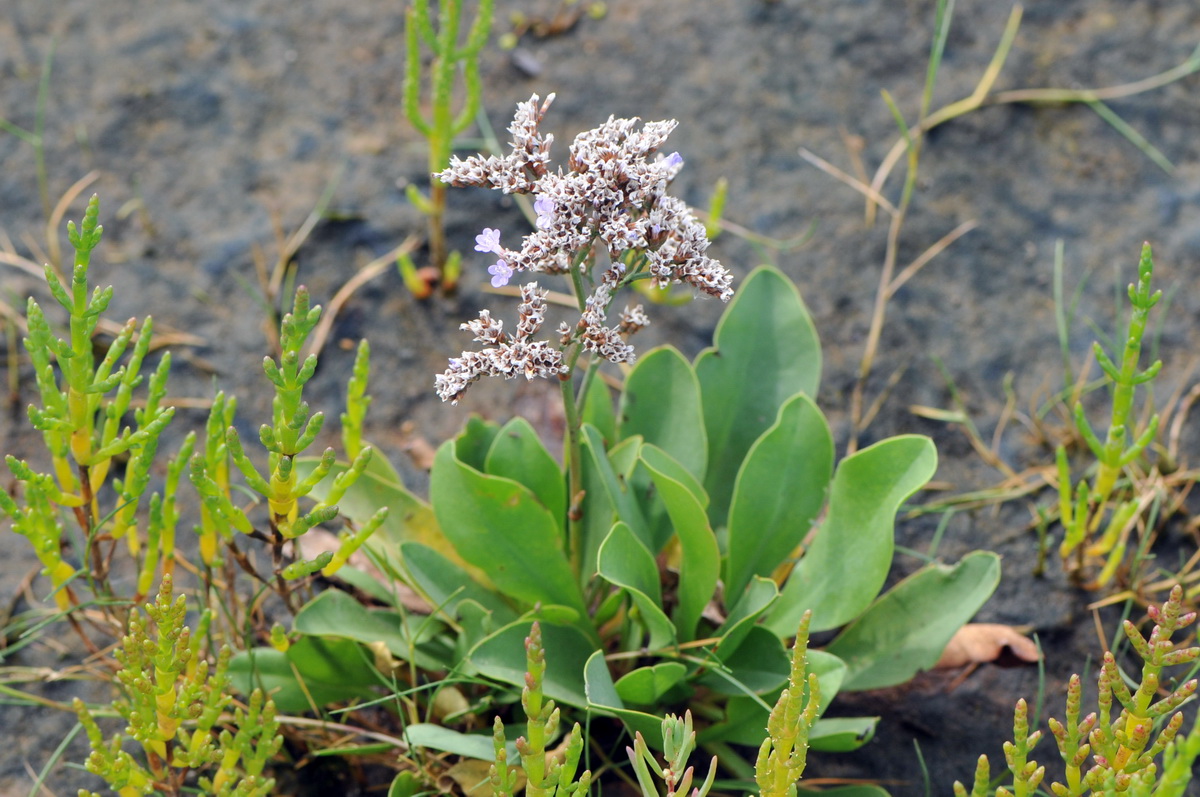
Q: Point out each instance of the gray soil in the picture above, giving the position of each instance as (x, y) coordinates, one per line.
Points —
(226, 119)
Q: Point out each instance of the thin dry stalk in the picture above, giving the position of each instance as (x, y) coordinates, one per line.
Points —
(364, 275)
(54, 221)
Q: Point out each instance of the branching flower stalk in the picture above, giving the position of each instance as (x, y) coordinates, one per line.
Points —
(442, 124)
(606, 221)
(1124, 749)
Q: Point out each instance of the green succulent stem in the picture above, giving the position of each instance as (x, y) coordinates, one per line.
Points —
(1123, 749)
(442, 124)
(1119, 449)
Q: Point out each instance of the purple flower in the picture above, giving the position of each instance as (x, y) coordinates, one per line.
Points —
(544, 208)
(501, 273)
(673, 160)
(488, 240)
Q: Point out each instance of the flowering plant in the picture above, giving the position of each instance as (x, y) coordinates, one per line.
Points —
(612, 197)
(674, 553)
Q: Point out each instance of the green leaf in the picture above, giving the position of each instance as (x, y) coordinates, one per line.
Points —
(501, 656)
(448, 740)
(755, 600)
(518, 454)
(700, 561)
(598, 509)
(475, 441)
(779, 493)
(765, 351)
(409, 518)
(758, 665)
(328, 670)
(625, 562)
(645, 685)
(746, 717)
(405, 784)
(842, 734)
(659, 525)
(907, 629)
(661, 402)
(501, 527)
(608, 470)
(446, 585)
(602, 694)
(598, 408)
(847, 563)
(831, 673)
(334, 613)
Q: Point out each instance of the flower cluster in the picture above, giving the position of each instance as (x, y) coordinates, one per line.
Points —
(504, 355)
(611, 198)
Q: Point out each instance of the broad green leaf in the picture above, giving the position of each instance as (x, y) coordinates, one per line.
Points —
(661, 402)
(625, 562)
(328, 670)
(645, 685)
(765, 351)
(602, 694)
(666, 464)
(502, 656)
(405, 784)
(446, 585)
(746, 717)
(448, 740)
(598, 408)
(841, 734)
(477, 624)
(475, 441)
(779, 492)
(907, 629)
(758, 665)
(499, 526)
(518, 454)
(700, 561)
(831, 673)
(847, 563)
(598, 509)
(409, 518)
(624, 456)
(641, 484)
(608, 469)
(334, 613)
(755, 600)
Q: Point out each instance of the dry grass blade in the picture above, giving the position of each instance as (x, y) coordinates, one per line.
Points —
(929, 254)
(11, 258)
(10, 314)
(54, 222)
(860, 186)
(1180, 416)
(977, 98)
(289, 246)
(363, 276)
(980, 99)
(552, 297)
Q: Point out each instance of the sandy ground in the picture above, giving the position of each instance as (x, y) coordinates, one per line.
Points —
(211, 123)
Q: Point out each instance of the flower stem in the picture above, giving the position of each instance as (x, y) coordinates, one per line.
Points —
(574, 464)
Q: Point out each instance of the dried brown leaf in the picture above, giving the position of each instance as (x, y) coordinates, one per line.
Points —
(978, 643)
